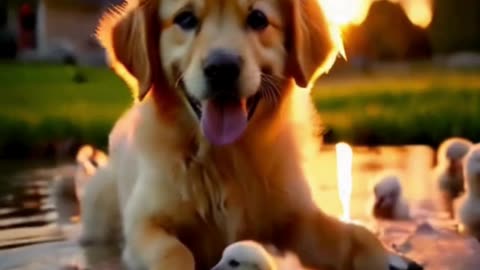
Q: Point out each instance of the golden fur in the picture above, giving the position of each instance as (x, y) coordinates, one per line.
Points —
(181, 200)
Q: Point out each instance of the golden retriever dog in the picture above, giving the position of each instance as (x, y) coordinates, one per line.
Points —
(219, 144)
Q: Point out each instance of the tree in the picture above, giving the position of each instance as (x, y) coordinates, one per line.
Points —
(387, 34)
(455, 26)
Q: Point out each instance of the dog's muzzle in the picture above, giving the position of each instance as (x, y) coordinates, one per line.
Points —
(222, 111)
(221, 70)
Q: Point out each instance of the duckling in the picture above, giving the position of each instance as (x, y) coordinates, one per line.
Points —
(449, 171)
(388, 201)
(468, 207)
(250, 255)
(89, 159)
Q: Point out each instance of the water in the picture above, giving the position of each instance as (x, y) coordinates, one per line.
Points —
(26, 201)
(41, 243)
(12, 172)
(413, 164)
(25, 186)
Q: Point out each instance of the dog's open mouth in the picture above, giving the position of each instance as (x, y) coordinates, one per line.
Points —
(223, 121)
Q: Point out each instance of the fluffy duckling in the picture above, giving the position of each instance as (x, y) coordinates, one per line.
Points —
(70, 190)
(388, 201)
(468, 213)
(88, 160)
(449, 170)
(250, 255)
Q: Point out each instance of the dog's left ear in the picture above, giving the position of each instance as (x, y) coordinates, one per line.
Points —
(312, 49)
(129, 33)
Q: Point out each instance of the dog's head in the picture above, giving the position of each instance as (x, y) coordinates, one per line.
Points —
(221, 56)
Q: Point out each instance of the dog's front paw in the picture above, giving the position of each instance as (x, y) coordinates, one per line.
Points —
(155, 259)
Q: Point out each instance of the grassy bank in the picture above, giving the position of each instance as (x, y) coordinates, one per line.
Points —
(42, 104)
(424, 107)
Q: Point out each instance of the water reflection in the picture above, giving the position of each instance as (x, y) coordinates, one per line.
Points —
(41, 202)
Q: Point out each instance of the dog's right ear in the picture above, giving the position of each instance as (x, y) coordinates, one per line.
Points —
(312, 45)
(123, 33)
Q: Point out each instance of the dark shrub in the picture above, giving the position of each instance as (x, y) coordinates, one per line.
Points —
(387, 34)
(79, 77)
(70, 60)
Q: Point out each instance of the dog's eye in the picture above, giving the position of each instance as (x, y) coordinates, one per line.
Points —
(233, 263)
(257, 20)
(186, 20)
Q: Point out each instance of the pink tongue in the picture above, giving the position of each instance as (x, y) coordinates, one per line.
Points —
(224, 123)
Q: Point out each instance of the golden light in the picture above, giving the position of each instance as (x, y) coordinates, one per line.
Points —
(418, 11)
(344, 178)
(347, 12)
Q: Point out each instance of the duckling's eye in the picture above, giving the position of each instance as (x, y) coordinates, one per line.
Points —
(186, 20)
(233, 263)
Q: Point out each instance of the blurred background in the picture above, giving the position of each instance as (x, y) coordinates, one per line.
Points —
(412, 75)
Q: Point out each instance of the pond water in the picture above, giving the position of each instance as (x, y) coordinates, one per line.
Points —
(27, 183)
(26, 201)
(13, 171)
(412, 164)
(37, 234)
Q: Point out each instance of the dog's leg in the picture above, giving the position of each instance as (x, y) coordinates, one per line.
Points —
(153, 247)
(148, 244)
(99, 210)
(322, 242)
(369, 252)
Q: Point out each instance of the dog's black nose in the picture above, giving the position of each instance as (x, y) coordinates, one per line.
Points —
(222, 69)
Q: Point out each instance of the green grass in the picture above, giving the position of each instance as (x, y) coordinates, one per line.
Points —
(421, 108)
(41, 104)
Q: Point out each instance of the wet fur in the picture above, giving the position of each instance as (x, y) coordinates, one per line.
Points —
(181, 200)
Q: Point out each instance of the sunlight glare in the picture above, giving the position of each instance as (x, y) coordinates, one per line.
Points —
(419, 12)
(347, 12)
(344, 178)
